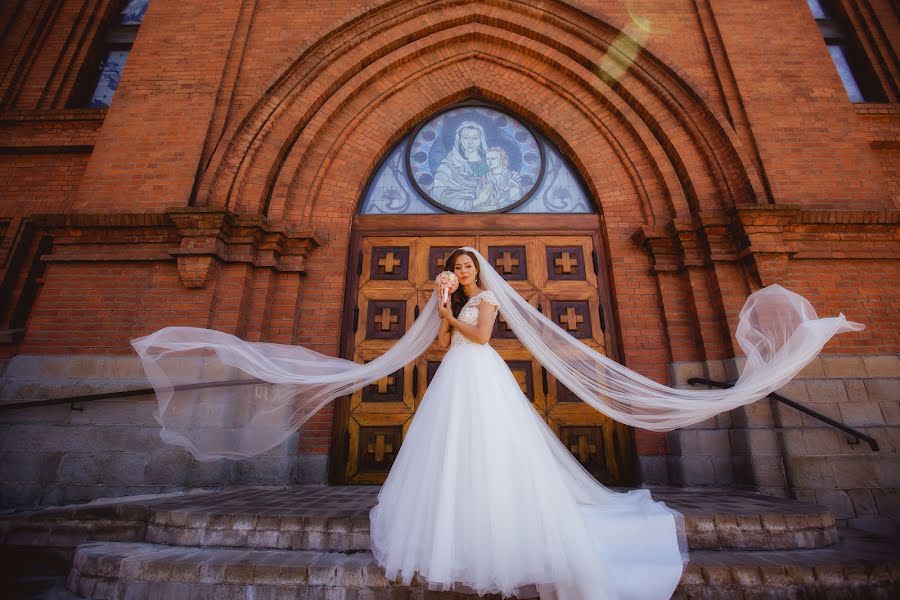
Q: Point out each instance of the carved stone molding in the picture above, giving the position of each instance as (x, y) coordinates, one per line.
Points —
(772, 232)
(198, 239)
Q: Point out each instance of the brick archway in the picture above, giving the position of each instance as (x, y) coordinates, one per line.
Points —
(554, 64)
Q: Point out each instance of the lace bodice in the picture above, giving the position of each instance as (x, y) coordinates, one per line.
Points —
(469, 315)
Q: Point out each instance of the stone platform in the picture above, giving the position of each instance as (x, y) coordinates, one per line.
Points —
(313, 542)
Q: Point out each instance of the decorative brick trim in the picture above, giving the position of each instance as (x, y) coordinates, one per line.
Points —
(197, 238)
(790, 230)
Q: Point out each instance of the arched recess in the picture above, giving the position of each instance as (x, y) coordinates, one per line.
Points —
(552, 254)
(650, 151)
(350, 75)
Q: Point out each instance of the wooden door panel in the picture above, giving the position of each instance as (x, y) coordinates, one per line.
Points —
(556, 274)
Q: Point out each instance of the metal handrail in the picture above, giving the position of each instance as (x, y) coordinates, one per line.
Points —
(71, 400)
(857, 434)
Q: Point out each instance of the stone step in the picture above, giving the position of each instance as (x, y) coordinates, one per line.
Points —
(336, 518)
(860, 566)
(322, 520)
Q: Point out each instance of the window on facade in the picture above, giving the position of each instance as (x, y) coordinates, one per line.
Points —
(116, 46)
(849, 58)
(475, 158)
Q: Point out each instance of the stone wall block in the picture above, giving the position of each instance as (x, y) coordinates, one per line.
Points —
(210, 473)
(826, 390)
(882, 366)
(768, 472)
(856, 390)
(793, 390)
(263, 470)
(786, 416)
(843, 366)
(714, 442)
(822, 440)
(811, 472)
(755, 414)
(723, 468)
(883, 390)
(167, 468)
(887, 471)
(793, 442)
(82, 467)
(829, 409)
(683, 442)
(813, 369)
(863, 501)
(126, 468)
(875, 525)
(24, 495)
(888, 502)
(56, 414)
(855, 414)
(891, 413)
(854, 472)
(837, 501)
(692, 470)
(29, 467)
(763, 442)
(653, 469)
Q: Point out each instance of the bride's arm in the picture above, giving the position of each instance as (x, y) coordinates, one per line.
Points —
(444, 335)
(481, 333)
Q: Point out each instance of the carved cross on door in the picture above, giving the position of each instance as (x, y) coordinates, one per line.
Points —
(380, 447)
(566, 262)
(507, 262)
(571, 319)
(583, 448)
(389, 262)
(441, 260)
(385, 384)
(385, 319)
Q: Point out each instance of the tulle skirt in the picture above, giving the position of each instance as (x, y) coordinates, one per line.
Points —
(483, 497)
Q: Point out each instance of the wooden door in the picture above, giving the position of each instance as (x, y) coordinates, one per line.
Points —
(556, 273)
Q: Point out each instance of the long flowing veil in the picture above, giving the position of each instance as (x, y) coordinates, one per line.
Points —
(223, 397)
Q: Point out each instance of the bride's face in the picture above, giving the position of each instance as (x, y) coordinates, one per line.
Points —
(465, 269)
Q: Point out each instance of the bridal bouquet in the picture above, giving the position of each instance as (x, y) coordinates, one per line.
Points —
(448, 282)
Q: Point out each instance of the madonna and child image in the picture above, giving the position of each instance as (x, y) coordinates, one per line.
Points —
(475, 159)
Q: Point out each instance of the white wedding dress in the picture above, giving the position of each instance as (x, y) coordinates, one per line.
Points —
(483, 497)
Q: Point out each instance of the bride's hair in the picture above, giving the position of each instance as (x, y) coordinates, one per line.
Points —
(458, 298)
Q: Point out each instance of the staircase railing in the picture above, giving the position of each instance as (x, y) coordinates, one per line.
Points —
(817, 415)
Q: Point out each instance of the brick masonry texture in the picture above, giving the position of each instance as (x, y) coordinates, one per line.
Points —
(219, 188)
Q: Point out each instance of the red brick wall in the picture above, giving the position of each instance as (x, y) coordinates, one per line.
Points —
(38, 183)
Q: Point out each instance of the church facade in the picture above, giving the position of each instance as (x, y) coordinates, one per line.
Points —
(297, 173)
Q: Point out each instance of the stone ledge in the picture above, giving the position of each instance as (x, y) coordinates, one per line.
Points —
(336, 519)
(826, 366)
(863, 567)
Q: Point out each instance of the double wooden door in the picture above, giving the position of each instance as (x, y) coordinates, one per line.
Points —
(558, 274)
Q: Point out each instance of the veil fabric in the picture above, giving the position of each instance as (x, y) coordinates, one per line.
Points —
(223, 397)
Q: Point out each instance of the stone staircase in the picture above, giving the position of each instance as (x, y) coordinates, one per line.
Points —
(312, 542)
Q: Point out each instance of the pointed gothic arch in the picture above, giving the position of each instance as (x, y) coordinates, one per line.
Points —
(679, 155)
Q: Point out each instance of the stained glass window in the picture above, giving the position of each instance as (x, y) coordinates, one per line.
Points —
(474, 159)
(110, 72)
(99, 82)
(133, 12)
(849, 58)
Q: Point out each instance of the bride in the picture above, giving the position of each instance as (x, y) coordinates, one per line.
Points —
(482, 492)
(482, 496)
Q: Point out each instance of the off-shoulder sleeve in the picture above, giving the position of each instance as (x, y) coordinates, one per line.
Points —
(489, 297)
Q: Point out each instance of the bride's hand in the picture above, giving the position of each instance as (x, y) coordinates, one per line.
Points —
(444, 309)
